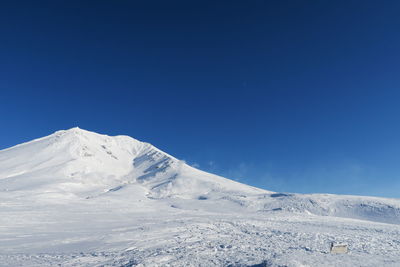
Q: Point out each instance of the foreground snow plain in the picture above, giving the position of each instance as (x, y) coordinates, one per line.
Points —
(77, 198)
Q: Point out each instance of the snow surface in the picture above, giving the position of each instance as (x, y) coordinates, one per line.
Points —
(78, 198)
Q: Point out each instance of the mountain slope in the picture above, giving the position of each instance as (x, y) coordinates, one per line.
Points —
(76, 161)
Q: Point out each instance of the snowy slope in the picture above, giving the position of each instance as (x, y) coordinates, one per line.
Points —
(77, 161)
(78, 198)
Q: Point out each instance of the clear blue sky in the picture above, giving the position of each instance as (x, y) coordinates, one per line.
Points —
(293, 96)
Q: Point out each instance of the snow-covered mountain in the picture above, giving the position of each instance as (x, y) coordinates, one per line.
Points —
(78, 198)
(88, 164)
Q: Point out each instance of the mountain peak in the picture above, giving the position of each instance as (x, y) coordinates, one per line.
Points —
(75, 131)
(76, 128)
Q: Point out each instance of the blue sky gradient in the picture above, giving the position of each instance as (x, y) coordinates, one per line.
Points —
(294, 96)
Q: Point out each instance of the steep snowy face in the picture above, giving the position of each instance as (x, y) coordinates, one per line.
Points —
(79, 161)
